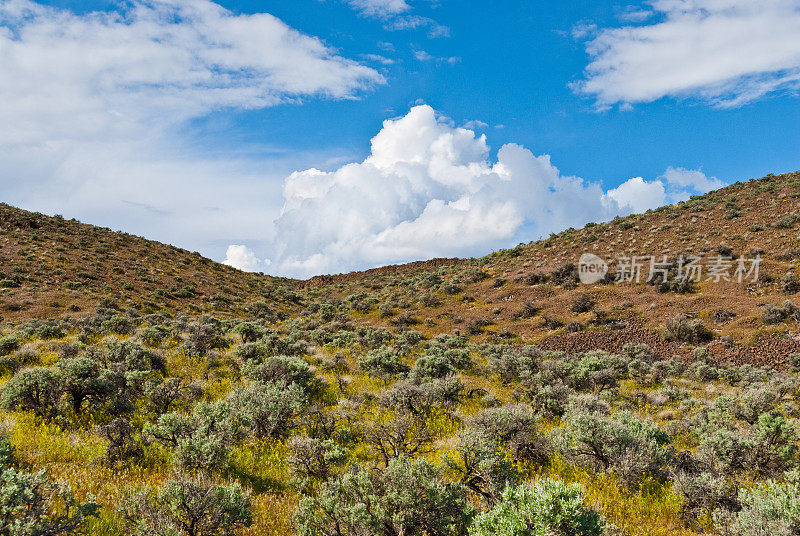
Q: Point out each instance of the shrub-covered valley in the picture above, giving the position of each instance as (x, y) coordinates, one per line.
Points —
(147, 390)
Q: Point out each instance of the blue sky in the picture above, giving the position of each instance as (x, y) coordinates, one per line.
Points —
(515, 63)
(645, 102)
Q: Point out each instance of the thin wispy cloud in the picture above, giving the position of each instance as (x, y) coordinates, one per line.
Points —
(726, 53)
(396, 16)
(154, 62)
(379, 8)
(95, 109)
(421, 55)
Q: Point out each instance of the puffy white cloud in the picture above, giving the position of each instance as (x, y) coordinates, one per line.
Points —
(676, 184)
(725, 52)
(429, 189)
(638, 195)
(690, 181)
(242, 258)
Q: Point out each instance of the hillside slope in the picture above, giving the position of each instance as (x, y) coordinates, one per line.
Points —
(51, 267)
(529, 293)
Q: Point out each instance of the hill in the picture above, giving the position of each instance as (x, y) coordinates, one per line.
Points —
(529, 293)
(162, 393)
(52, 267)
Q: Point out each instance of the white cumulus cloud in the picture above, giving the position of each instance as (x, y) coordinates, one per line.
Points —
(724, 52)
(638, 195)
(676, 184)
(689, 181)
(242, 258)
(429, 189)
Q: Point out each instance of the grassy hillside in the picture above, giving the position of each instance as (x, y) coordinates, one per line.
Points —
(437, 398)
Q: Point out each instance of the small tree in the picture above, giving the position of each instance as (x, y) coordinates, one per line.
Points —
(482, 466)
(311, 458)
(402, 434)
(249, 331)
(82, 379)
(122, 444)
(517, 427)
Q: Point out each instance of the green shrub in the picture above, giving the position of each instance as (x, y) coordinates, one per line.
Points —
(682, 329)
(186, 507)
(513, 364)
(83, 380)
(772, 508)
(481, 465)
(249, 331)
(285, 369)
(787, 222)
(582, 304)
(382, 363)
(119, 325)
(31, 504)
(790, 284)
(201, 440)
(132, 356)
(517, 428)
(36, 389)
(546, 508)
(775, 314)
(153, 336)
(621, 443)
(8, 344)
(425, 397)
(430, 366)
(267, 410)
(314, 459)
(408, 497)
(49, 331)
